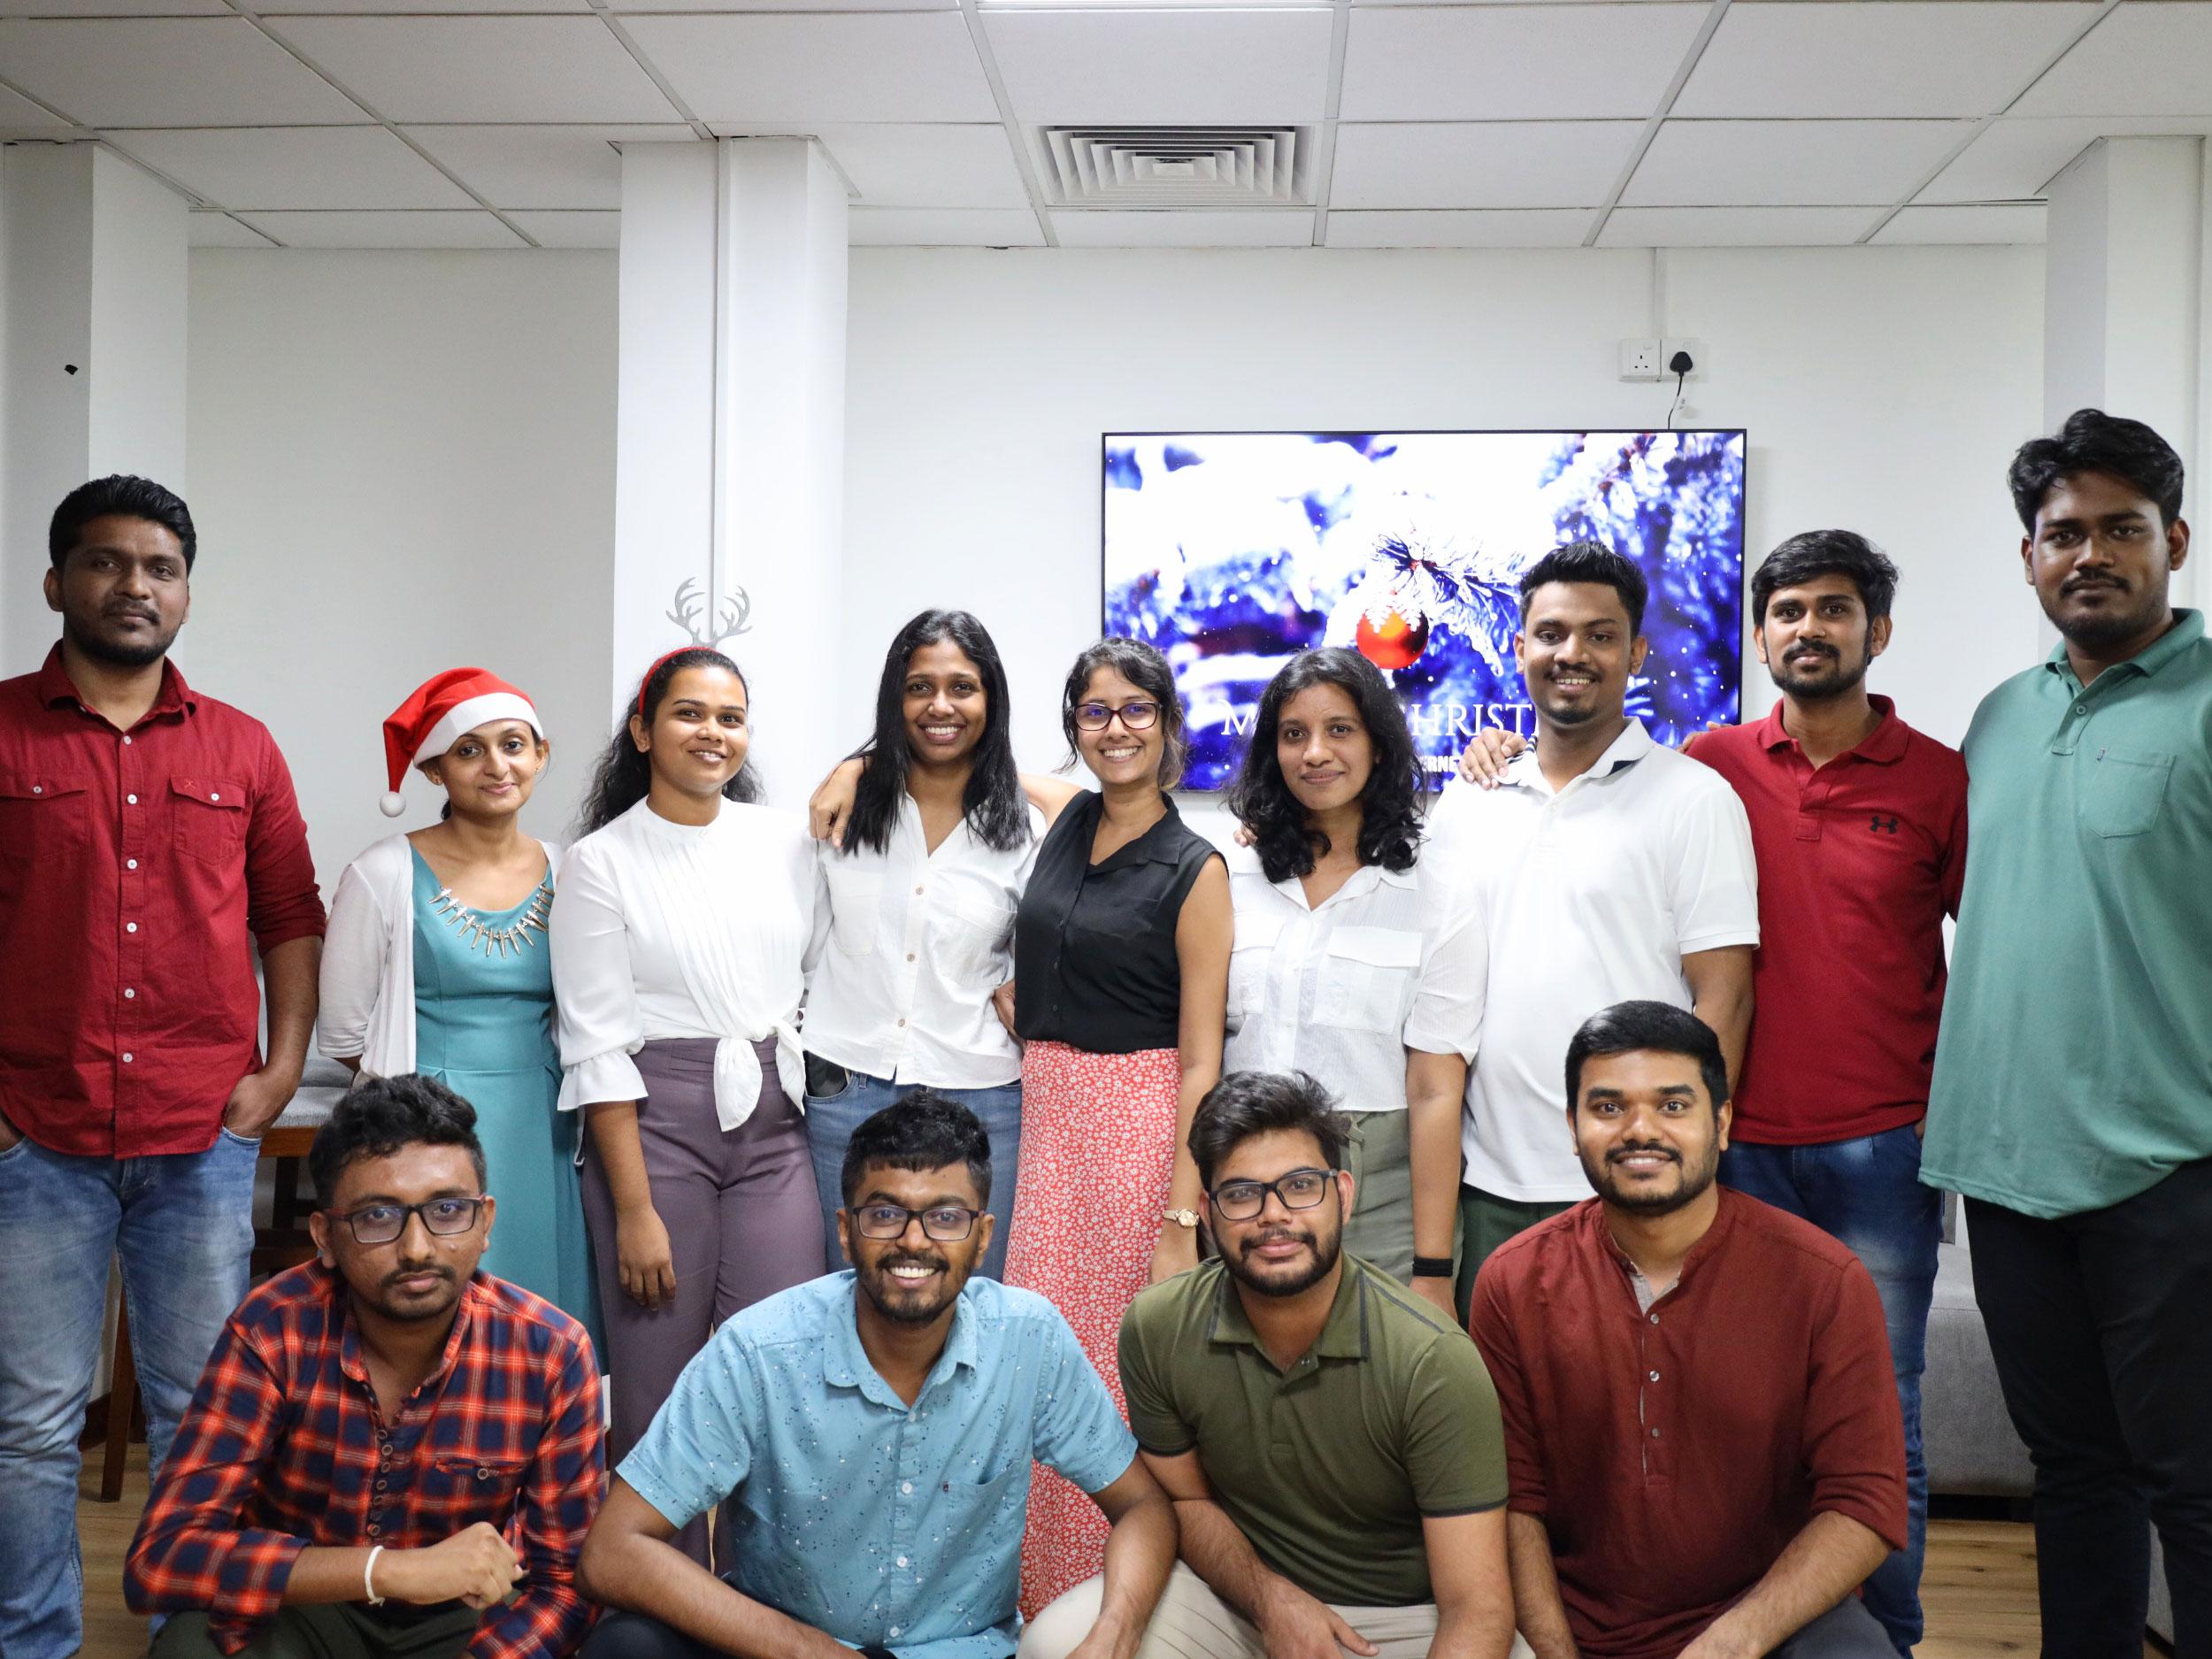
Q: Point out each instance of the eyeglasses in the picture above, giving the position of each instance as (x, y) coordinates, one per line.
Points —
(1300, 1189)
(1137, 717)
(947, 1223)
(380, 1224)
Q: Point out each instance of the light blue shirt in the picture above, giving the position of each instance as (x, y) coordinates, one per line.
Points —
(873, 1521)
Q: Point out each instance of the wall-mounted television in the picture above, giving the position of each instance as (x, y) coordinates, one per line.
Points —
(1233, 551)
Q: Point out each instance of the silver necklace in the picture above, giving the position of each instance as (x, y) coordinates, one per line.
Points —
(494, 942)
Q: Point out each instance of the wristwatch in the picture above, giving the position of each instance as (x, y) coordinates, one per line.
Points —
(1186, 1219)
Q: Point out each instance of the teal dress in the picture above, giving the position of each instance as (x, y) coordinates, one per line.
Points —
(484, 1028)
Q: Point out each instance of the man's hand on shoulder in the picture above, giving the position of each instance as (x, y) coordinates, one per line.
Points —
(475, 1566)
(1483, 761)
(1295, 1625)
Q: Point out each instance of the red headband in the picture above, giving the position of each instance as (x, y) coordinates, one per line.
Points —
(644, 684)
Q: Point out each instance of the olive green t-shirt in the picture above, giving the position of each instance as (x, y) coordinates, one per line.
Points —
(1328, 1467)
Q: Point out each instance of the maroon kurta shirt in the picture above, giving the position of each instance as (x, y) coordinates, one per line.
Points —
(138, 870)
(1859, 863)
(1673, 1454)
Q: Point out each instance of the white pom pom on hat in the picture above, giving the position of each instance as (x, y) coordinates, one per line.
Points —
(435, 715)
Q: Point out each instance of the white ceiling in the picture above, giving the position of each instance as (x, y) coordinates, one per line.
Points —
(1465, 124)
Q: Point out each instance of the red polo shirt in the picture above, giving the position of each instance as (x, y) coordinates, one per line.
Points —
(138, 871)
(1859, 863)
(1672, 1455)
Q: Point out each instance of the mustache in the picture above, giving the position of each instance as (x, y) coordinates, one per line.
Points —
(1619, 1153)
(908, 1258)
(1277, 1235)
(1797, 651)
(2076, 584)
(404, 1272)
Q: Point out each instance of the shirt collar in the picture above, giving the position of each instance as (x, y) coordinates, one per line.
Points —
(1599, 1238)
(1886, 744)
(2187, 630)
(54, 687)
(1157, 845)
(1343, 1335)
(845, 1364)
(349, 1360)
(1358, 885)
(1633, 743)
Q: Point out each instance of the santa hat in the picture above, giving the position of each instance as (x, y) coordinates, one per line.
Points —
(435, 715)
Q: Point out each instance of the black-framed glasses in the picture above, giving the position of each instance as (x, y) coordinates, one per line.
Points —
(947, 1223)
(1300, 1189)
(380, 1224)
(1138, 717)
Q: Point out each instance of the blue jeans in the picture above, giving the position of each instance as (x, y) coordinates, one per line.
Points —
(183, 1226)
(1866, 1194)
(831, 1118)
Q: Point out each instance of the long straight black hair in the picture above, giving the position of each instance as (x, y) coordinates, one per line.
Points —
(625, 772)
(992, 803)
(1390, 812)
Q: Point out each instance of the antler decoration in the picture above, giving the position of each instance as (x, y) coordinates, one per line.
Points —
(691, 611)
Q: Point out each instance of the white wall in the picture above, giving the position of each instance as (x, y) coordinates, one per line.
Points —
(401, 463)
(1885, 390)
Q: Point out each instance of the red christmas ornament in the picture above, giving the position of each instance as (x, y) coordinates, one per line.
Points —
(1396, 642)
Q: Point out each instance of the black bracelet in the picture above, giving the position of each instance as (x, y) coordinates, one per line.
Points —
(1432, 1267)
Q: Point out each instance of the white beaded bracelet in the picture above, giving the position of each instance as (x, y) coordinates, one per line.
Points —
(368, 1575)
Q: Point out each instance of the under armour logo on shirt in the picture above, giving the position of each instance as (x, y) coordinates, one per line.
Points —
(1881, 823)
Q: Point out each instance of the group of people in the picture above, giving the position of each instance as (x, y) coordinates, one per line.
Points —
(1640, 1067)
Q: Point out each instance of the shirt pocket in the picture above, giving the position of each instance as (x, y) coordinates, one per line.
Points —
(1366, 979)
(2127, 791)
(210, 817)
(478, 1488)
(1250, 955)
(44, 817)
(855, 905)
(975, 938)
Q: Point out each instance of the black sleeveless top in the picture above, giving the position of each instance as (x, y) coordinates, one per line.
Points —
(1094, 963)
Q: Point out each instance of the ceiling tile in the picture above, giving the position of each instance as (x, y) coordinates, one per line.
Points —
(1205, 67)
(1906, 58)
(1733, 226)
(1525, 227)
(319, 8)
(2008, 222)
(570, 230)
(481, 68)
(943, 228)
(2146, 59)
(820, 68)
(1751, 164)
(385, 230)
(782, 6)
(541, 167)
(17, 114)
(115, 9)
(1136, 229)
(1478, 63)
(1514, 164)
(166, 71)
(220, 230)
(901, 165)
(2016, 157)
(294, 167)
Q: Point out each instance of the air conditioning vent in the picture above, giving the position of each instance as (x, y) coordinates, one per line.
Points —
(1209, 167)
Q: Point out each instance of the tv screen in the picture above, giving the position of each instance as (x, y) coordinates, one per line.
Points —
(1232, 552)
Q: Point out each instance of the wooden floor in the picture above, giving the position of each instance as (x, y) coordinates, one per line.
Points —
(1978, 1587)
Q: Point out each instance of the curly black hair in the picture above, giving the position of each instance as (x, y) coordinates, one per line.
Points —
(379, 1115)
(1390, 811)
(2093, 442)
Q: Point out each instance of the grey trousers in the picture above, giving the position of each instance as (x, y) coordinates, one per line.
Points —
(1379, 1156)
(742, 1225)
(1191, 1622)
(1846, 1630)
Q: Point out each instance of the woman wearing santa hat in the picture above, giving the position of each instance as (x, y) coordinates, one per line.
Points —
(436, 962)
(680, 935)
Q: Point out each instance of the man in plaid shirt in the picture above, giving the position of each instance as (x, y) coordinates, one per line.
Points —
(390, 1456)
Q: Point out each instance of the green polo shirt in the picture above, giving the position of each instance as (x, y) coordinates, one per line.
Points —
(1328, 1467)
(2074, 1068)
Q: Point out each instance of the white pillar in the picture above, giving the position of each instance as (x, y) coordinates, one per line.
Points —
(2126, 305)
(93, 274)
(731, 427)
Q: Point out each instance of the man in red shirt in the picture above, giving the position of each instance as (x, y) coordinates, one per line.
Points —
(1701, 1433)
(149, 844)
(1859, 823)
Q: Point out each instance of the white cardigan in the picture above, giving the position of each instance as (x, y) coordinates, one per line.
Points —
(367, 1009)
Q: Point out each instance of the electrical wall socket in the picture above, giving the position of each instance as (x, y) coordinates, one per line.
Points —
(1695, 347)
(1641, 359)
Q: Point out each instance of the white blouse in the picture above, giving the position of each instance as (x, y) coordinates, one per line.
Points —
(676, 930)
(1393, 960)
(918, 942)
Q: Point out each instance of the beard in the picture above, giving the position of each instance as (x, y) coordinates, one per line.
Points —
(120, 653)
(1324, 1258)
(1815, 677)
(2109, 625)
(432, 1304)
(1690, 1184)
(900, 1304)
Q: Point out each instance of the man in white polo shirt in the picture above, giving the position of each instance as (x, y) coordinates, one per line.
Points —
(1612, 870)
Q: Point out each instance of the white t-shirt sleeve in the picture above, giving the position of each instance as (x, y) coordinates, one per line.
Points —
(1713, 877)
(1448, 1003)
(595, 990)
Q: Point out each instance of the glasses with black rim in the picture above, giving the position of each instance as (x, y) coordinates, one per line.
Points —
(1300, 1189)
(382, 1224)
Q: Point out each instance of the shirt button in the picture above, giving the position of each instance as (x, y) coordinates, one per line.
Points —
(38, 788)
(921, 890)
(214, 795)
(1654, 1375)
(373, 1531)
(894, 1630)
(1655, 1434)
(906, 1486)
(902, 1022)
(126, 1059)
(131, 799)
(127, 742)
(910, 956)
(130, 864)
(1654, 1318)
(902, 1560)
(130, 927)
(379, 1486)
(128, 992)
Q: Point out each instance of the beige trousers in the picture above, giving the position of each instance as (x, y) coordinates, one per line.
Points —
(1193, 1623)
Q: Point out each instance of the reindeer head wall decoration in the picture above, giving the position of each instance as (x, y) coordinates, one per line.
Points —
(729, 620)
